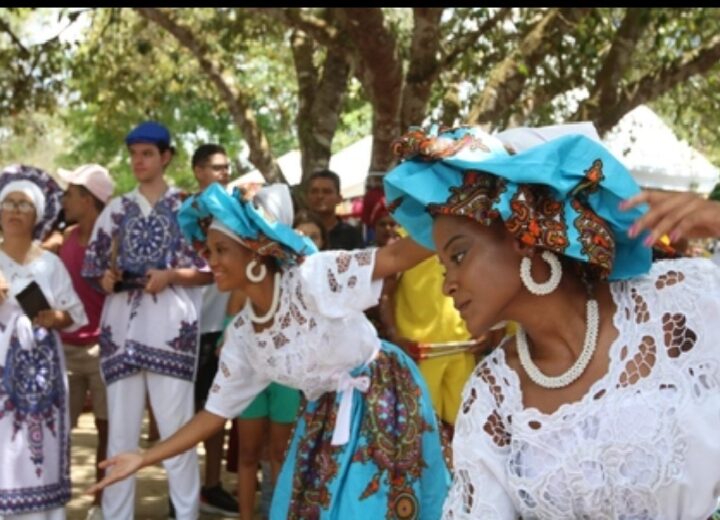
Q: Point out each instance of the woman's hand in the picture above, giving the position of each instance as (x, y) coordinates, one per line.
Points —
(53, 319)
(679, 215)
(120, 467)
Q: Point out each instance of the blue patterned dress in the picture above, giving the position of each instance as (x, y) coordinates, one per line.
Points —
(367, 443)
(34, 426)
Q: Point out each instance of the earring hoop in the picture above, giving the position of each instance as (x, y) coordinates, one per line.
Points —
(544, 288)
(250, 271)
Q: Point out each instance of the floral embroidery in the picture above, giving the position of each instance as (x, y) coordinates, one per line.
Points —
(332, 281)
(280, 340)
(363, 258)
(186, 340)
(678, 336)
(33, 392)
(343, 262)
(668, 279)
(641, 309)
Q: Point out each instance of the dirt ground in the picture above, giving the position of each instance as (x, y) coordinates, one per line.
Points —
(151, 495)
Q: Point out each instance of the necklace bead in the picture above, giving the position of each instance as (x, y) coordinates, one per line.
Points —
(581, 363)
(273, 305)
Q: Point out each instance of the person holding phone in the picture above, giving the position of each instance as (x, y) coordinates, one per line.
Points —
(34, 426)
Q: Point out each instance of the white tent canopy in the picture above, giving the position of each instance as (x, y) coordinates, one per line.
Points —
(656, 157)
(352, 164)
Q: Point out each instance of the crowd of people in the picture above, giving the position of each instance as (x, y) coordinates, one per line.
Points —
(505, 337)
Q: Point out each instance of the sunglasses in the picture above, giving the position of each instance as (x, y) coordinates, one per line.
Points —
(23, 206)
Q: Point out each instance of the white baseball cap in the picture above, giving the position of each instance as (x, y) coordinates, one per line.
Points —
(94, 177)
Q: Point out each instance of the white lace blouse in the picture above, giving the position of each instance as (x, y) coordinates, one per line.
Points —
(319, 333)
(643, 443)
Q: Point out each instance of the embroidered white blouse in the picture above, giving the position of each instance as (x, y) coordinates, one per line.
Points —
(319, 333)
(643, 443)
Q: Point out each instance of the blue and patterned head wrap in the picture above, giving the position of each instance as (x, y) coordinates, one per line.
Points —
(257, 229)
(51, 191)
(562, 195)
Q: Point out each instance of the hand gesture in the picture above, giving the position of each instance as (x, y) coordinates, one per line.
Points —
(120, 466)
(157, 280)
(107, 282)
(679, 215)
(50, 318)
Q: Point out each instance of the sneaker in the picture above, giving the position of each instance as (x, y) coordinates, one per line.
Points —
(95, 513)
(171, 509)
(215, 500)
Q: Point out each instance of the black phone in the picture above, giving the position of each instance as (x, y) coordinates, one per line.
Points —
(130, 281)
(32, 300)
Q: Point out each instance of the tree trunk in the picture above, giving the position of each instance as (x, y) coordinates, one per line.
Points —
(507, 80)
(424, 65)
(381, 76)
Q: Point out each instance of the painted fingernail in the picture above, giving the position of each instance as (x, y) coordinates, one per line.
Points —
(632, 231)
(674, 235)
(622, 205)
(649, 240)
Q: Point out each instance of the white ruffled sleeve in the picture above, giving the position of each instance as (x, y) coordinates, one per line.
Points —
(480, 448)
(340, 282)
(236, 383)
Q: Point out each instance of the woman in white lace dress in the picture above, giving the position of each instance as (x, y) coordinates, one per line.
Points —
(607, 402)
(367, 442)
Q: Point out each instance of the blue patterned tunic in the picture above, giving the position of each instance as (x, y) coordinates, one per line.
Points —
(142, 331)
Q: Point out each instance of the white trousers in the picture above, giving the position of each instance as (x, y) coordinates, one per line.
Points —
(51, 514)
(172, 401)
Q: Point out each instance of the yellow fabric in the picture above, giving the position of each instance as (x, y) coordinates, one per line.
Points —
(422, 312)
(445, 377)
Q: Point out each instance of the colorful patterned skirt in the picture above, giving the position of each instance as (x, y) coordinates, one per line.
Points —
(393, 465)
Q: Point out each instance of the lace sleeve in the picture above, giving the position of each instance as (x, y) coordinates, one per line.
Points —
(480, 449)
(338, 282)
(236, 383)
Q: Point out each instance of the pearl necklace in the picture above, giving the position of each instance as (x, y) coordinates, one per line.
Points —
(575, 371)
(273, 305)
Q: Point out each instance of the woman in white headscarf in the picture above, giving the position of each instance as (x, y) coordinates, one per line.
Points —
(34, 428)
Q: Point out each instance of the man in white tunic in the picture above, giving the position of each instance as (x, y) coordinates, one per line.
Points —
(149, 324)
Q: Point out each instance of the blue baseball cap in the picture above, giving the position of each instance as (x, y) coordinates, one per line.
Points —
(149, 132)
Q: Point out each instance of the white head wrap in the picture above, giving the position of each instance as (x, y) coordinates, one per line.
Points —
(522, 138)
(275, 203)
(31, 190)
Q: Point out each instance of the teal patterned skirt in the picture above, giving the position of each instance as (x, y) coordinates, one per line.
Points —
(393, 465)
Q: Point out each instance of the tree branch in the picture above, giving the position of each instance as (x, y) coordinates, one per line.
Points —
(466, 40)
(619, 58)
(507, 80)
(656, 83)
(240, 110)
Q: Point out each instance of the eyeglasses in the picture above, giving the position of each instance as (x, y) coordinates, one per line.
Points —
(23, 206)
(219, 167)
